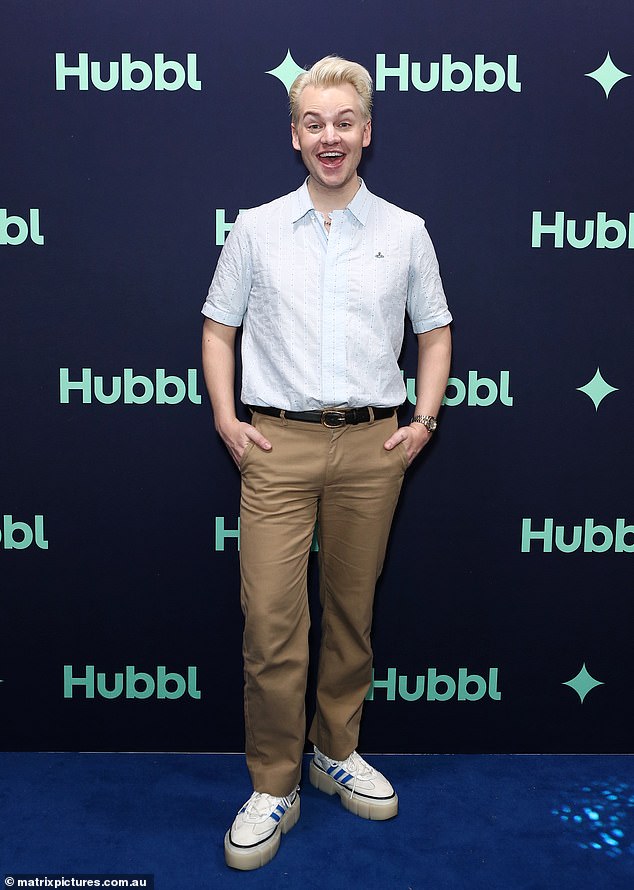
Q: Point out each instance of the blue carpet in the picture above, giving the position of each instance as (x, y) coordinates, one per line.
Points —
(524, 822)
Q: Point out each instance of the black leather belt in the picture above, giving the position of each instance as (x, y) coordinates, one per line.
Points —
(329, 417)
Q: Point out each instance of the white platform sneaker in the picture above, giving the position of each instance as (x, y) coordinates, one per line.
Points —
(254, 838)
(362, 789)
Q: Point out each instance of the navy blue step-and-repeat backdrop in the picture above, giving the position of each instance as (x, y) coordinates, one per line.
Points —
(132, 134)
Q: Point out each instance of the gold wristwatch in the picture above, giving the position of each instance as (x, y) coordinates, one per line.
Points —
(427, 420)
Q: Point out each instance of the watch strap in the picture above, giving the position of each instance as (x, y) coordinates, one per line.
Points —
(427, 420)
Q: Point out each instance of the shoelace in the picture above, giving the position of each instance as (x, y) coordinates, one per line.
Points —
(260, 806)
(358, 769)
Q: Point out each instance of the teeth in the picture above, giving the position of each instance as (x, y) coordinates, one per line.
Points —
(331, 154)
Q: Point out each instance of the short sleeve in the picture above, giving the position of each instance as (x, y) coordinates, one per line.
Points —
(426, 301)
(229, 290)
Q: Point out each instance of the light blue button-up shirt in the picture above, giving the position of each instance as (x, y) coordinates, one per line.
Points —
(323, 315)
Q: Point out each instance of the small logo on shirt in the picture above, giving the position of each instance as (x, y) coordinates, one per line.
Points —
(379, 256)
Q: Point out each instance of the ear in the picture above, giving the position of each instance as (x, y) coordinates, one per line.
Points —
(367, 134)
(295, 138)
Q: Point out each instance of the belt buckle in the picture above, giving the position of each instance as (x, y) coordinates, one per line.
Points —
(333, 419)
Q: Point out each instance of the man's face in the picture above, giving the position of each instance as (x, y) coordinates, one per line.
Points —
(330, 133)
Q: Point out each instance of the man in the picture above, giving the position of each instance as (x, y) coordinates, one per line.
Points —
(321, 280)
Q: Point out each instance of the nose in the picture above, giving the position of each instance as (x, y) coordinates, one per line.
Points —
(329, 134)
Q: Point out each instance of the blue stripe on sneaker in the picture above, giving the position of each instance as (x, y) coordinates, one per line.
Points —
(338, 775)
(275, 817)
(331, 769)
(347, 779)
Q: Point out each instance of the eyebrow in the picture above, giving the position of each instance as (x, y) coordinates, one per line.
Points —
(318, 114)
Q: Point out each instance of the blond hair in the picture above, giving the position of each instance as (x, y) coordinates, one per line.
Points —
(333, 71)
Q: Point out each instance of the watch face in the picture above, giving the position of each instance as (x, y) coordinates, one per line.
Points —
(431, 424)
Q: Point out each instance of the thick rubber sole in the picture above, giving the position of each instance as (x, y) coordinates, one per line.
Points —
(365, 807)
(249, 858)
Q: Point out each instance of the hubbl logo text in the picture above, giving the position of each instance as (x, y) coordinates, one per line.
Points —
(130, 683)
(15, 230)
(600, 232)
(479, 392)
(589, 538)
(135, 389)
(436, 687)
(451, 76)
(128, 73)
(17, 535)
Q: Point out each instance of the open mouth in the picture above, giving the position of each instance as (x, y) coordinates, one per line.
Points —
(331, 158)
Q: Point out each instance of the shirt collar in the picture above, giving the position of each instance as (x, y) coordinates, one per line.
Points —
(359, 206)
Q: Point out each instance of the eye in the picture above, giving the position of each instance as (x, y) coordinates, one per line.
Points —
(313, 127)
(345, 124)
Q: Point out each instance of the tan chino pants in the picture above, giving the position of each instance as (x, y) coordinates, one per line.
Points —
(344, 479)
